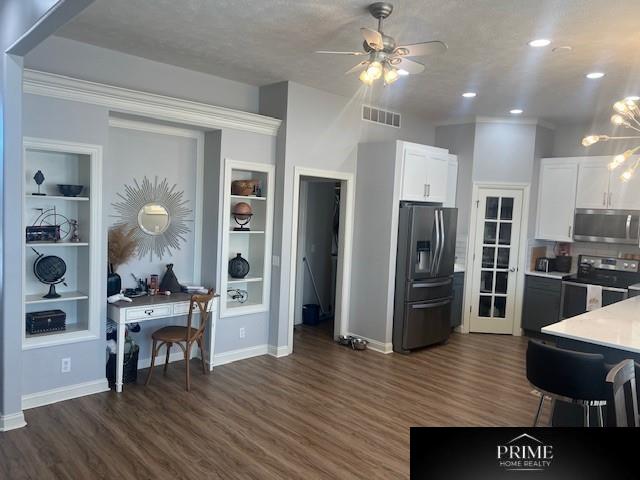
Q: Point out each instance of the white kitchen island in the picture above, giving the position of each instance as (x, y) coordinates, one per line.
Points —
(614, 327)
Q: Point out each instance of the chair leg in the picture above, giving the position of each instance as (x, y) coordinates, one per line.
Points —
(586, 415)
(600, 416)
(187, 354)
(204, 367)
(553, 410)
(540, 405)
(166, 360)
(153, 361)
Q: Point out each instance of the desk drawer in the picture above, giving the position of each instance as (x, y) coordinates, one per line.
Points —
(183, 308)
(153, 311)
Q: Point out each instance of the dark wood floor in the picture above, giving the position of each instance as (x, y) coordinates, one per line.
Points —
(323, 412)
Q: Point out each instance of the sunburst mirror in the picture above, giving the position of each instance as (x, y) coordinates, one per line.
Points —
(156, 213)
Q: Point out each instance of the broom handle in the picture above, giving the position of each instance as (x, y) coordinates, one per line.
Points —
(313, 282)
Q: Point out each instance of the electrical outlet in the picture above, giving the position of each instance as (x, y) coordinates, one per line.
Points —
(242, 332)
(313, 248)
(275, 261)
(65, 365)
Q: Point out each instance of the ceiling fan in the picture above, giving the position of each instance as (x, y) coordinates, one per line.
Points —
(384, 57)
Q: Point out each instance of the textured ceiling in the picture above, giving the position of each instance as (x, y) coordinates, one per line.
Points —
(266, 41)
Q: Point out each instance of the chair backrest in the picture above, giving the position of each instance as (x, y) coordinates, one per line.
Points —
(202, 303)
(621, 381)
(566, 373)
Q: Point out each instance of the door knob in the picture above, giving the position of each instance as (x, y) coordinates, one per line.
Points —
(512, 269)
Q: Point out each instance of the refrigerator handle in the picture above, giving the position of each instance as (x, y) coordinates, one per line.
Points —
(436, 251)
(442, 234)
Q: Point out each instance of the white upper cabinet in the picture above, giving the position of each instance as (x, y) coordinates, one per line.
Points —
(424, 173)
(452, 181)
(624, 195)
(556, 199)
(593, 183)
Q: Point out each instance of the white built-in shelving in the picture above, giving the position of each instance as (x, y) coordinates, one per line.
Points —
(80, 295)
(253, 244)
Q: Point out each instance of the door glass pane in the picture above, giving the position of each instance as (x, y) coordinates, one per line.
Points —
(506, 208)
(490, 229)
(491, 210)
(501, 282)
(484, 308)
(488, 257)
(486, 281)
(499, 307)
(503, 258)
(505, 234)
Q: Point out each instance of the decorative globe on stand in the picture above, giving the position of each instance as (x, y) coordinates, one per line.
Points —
(50, 270)
(242, 213)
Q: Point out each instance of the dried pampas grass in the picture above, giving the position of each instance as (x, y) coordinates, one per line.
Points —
(122, 246)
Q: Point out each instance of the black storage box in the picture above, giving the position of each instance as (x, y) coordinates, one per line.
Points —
(46, 321)
(563, 263)
(130, 370)
(43, 233)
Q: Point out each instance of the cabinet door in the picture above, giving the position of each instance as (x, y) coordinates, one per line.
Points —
(556, 199)
(541, 303)
(437, 177)
(593, 183)
(624, 195)
(414, 175)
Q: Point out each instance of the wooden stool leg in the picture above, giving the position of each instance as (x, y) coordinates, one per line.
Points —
(204, 367)
(187, 354)
(166, 360)
(153, 361)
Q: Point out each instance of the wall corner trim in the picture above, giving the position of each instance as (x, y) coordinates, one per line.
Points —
(46, 397)
(12, 421)
(279, 352)
(152, 105)
(375, 345)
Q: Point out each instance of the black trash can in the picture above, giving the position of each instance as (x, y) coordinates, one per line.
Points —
(311, 314)
(130, 367)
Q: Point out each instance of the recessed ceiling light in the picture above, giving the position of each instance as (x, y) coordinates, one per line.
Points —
(469, 94)
(539, 42)
(595, 75)
(515, 111)
(402, 72)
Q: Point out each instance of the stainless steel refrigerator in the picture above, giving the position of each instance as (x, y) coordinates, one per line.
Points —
(424, 275)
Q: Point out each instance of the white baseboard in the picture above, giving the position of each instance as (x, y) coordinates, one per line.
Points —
(375, 345)
(240, 354)
(54, 395)
(279, 352)
(12, 421)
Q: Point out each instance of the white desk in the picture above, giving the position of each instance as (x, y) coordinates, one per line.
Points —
(147, 308)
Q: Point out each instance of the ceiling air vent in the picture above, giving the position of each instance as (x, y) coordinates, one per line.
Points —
(372, 114)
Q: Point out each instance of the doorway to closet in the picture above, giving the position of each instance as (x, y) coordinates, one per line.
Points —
(317, 254)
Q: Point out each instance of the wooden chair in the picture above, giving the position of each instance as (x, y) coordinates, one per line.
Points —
(621, 380)
(179, 334)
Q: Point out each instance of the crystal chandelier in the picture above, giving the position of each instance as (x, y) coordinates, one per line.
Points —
(627, 115)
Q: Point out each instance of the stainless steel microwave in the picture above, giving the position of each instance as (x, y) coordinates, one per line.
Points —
(608, 226)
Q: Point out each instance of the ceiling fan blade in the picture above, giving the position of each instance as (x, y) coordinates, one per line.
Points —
(420, 49)
(341, 53)
(357, 67)
(409, 66)
(373, 38)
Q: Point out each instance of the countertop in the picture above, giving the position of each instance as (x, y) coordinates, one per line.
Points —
(556, 275)
(615, 326)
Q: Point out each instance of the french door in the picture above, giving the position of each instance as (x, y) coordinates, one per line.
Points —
(495, 260)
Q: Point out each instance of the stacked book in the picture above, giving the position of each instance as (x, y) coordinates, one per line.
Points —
(194, 289)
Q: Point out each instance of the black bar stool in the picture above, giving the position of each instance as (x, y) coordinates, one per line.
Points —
(572, 377)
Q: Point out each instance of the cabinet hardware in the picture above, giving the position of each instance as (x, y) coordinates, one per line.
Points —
(148, 312)
(428, 190)
(604, 199)
(425, 190)
(610, 193)
(569, 231)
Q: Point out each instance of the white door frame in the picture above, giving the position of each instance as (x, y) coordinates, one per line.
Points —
(522, 254)
(345, 247)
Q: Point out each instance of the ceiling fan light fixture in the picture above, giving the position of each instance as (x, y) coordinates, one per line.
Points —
(374, 70)
(365, 78)
(402, 72)
(390, 75)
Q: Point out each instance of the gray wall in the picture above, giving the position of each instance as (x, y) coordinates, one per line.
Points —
(75, 59)
(459, 140)
(568, 138)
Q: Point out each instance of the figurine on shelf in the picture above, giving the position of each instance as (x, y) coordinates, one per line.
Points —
(74, 231)
(39, 179)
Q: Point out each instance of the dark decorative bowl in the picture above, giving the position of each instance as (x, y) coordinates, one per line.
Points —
(70, 190)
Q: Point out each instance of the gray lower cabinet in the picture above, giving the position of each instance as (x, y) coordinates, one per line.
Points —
(541, 305)
(458, 298)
